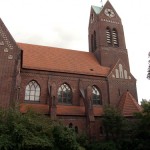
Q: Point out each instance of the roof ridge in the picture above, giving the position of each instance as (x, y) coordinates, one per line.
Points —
(18, 43)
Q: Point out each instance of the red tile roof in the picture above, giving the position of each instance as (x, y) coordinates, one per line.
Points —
(70, 110)
(38, 108)
(128, 105)
(60, 109)
(98, 111)
(77, 110)
(61, 60)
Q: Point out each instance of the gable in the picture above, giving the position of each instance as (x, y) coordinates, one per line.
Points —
(120, 71)
(6, 39)
(109, 12)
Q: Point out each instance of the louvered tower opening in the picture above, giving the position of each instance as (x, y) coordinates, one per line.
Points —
(115, 38)
(108, 36)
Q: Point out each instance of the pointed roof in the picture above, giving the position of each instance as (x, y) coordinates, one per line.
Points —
(6, 36)
(97, 9)
(61, 60)
(128, 105)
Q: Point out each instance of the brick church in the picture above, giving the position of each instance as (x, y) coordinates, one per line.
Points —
(68, 85)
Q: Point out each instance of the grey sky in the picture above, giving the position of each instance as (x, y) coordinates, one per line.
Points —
(64, 23)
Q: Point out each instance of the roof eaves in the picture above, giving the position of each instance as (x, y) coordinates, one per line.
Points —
(64, 71)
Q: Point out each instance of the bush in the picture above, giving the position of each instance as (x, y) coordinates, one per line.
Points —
(33, 131)
(102, 146)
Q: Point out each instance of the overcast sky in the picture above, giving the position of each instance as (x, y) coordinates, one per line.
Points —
(64, 23)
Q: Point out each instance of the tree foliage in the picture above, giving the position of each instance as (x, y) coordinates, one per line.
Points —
(126, 134)
(65, 138)
(32, 131)
(142, 130)
(113, 123)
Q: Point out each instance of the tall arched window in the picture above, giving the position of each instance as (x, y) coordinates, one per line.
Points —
(115, 37)
(32, 91)
(94, 41)
(117, 73)
(76, 129)
(64, 94)
(92, 46)
(70, 125)
(125, 74)
(121, 71)
(96, 97)
(108, 36)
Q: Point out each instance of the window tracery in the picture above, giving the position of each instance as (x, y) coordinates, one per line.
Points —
(32, 91)
(96, 97)
(64, 94)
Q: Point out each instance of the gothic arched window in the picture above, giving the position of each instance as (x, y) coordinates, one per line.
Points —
(76, 129)
(121, 71)
(64, 94)
(125, 74)
(32, 91)
(92, 46)
(115, 37)
(108, 36)
(70, 125)
(117, 73)
(94, 41)
(96, 97)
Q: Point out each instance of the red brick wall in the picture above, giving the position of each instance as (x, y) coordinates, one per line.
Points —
(118, 87)
(80, 122)
(9, 55)
(59, 78)
(73, 81)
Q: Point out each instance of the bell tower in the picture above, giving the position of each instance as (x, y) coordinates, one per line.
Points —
(106, 36)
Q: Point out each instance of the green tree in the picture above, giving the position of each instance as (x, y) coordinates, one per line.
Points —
(24, 131)
(142, 128)
(113, 123)
(65, 138)
(33, 131)
(118, 130)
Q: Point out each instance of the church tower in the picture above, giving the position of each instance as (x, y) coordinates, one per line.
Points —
(107, 42)
(106, 36)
